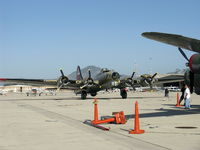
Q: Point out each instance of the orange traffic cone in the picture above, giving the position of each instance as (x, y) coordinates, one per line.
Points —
(136, 122)
(95, 111)
(178, 100)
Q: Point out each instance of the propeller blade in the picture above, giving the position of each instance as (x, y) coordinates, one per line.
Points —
(151, 87)
(58, 89)
(132, 75)
(184, 55)
(154, 75)
(62, 73)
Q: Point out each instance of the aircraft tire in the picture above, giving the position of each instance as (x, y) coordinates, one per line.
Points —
(123, 94)
(83, 95)
(93, 94)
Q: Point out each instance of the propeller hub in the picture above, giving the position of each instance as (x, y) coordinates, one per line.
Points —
(90, 81)
(62, 80)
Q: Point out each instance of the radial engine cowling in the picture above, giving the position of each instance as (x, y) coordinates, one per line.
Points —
(62, 80)
(115, 75)
(194, 63)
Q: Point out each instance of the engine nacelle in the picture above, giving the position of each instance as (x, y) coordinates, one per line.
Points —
(144, 82)
(196, 81)
(194, 63)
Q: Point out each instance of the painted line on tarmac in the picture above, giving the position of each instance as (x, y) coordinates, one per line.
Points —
(127, 141)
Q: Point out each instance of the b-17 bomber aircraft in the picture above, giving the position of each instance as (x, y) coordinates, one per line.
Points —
(192, 75)
(105, 79)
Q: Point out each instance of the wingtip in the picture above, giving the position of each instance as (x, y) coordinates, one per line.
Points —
(144, 33)
(149, 34)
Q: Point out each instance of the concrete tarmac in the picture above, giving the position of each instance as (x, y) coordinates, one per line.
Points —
(56, 122)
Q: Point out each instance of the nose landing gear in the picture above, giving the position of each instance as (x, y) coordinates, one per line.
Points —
(123, 93)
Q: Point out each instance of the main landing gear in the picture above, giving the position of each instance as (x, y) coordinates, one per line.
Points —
(123, 93)
(83, 95)
(93, 94)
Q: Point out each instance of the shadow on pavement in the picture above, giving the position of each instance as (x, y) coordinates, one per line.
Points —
(195, 109)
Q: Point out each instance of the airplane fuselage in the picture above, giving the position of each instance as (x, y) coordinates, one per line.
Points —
(103, 80)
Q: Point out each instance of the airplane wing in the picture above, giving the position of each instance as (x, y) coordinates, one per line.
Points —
(71, 84)
(33, 82)
(176, 40)
(170, 78)
(40, 82)
(149, 80)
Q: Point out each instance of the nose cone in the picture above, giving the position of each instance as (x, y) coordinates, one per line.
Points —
(115, 75)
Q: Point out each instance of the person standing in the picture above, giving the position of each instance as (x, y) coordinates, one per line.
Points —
(166, 92)
(187, 97)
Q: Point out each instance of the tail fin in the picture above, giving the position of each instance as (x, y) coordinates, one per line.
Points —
(78, 74)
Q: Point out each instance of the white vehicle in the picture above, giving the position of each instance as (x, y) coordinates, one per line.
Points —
(39, 92)
(173, 89)
(3, 92)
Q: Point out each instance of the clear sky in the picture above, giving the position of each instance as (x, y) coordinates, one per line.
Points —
(38, 37)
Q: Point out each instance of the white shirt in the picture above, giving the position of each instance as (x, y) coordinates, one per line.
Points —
(187, 93)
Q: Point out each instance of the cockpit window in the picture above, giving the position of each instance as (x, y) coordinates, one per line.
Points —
(104, 70)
